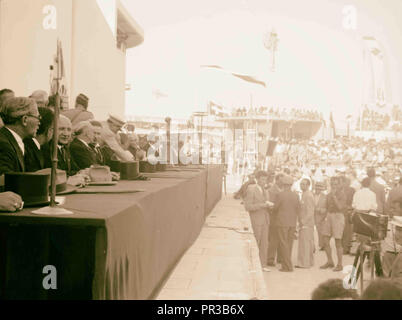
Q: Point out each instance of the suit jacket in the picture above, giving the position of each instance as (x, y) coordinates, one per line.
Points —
(320, 203)
(253, 199)
(396, 270)
(287, 209)
(98, 154)
(273, 194)
(33, 157)
(11, 156)
(83, 156)
(64, 163)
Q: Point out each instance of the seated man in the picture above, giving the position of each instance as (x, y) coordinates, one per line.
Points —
(21, 119)
(103, 152)
(34, 160)
(63, 149)
(82, 154)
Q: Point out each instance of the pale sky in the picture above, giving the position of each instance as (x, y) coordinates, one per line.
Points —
(318, 62)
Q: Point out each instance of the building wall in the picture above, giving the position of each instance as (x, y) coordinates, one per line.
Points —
(93, 64)
(27, 48)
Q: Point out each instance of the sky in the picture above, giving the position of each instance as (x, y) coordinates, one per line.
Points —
(319, 64)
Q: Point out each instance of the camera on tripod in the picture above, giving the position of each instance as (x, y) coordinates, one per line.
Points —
(372, 225)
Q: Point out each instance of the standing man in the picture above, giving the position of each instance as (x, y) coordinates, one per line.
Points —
(80, 113)
(348, 231)
(396, 270)
(21, 120)
(287, 209)
(256, 203)
(378, 189)
(306, 227)
(320, 212)
(334, 223)
(273, 232)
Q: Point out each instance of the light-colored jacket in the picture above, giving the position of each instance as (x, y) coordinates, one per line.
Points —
(253, 201)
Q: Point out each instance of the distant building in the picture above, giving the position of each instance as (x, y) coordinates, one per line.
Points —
(95, 35)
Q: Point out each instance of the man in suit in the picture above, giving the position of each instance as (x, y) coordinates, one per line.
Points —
(287, 210)
(63, 150)
(34, 159)
(83, 155)
(273, 232)
(21, 120)
(348, 231)
(256, 204)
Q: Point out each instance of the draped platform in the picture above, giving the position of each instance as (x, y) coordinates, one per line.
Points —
(115, 246)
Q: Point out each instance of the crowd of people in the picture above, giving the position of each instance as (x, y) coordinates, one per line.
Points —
(284, 113)
(26, 143)
(317, 187)
(374, 121)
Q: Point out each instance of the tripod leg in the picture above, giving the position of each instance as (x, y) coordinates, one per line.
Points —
(378, 267)
(355, 264)
(372, 263)
(361, 267)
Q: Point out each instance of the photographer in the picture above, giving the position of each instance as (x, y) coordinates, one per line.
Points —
(396, 269)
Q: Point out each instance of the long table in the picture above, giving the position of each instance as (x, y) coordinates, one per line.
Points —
(115, 246)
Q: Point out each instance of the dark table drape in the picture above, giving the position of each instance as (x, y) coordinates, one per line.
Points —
(115, 246)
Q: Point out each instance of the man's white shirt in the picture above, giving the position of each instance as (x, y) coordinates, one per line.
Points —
(364, 199)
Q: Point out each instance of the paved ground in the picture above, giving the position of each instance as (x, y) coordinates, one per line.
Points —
(224, 264)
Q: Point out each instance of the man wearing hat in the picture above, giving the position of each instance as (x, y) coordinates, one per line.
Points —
(112, 138)
(21, 119)
(81, 152)
(256, 203)
(378, 189)
(287, 209)
(80, 112)
(396, 270)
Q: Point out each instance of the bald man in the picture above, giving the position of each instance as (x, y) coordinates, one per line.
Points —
(65, 161)
(41, 98)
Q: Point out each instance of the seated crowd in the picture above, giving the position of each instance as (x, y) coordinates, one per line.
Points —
(26, 132)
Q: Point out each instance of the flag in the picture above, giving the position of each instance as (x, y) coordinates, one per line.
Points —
(243, 77)
(216, 109)
(58, 72)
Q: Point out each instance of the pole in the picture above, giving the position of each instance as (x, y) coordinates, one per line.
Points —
(55, 134)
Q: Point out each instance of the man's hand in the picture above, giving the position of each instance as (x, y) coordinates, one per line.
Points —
(10, 202)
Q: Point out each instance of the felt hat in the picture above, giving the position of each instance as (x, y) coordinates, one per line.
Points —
(62, 187)
(129, 170)
(33, 188)
(83, 100)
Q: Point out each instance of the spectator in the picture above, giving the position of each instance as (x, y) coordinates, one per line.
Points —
(333, 289)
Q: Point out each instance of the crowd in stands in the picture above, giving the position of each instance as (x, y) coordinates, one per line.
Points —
(374, 121)
(284, 113)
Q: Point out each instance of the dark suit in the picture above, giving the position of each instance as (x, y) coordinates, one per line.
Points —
(100, 159)
(11, 156)
(33, 156)
(287, 208)
(255, 197)
(83, 155)
(273, 232)
(64, 161)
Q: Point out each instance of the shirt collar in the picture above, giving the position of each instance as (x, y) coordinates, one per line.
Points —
(18, 139)
(83, 142)
(36, 142)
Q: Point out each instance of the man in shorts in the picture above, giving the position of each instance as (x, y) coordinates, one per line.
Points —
(334, 223)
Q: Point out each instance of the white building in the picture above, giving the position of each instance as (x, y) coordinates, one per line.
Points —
(94, 34)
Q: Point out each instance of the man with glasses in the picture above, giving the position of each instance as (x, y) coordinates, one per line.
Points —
(21, 120)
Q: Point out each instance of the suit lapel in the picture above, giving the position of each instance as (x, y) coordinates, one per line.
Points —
(38, 154)
(16, 147)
